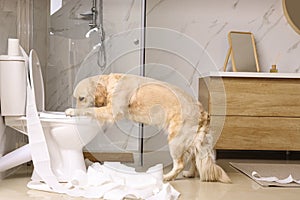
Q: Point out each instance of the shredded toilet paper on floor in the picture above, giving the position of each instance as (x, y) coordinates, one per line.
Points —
(287, 180)
(113, 180)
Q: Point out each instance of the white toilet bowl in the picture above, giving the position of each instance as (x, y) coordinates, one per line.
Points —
(65, 136)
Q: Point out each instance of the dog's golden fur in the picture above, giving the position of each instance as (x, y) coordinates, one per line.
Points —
(115, 96)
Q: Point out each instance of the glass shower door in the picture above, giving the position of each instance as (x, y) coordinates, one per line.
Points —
(76, 52)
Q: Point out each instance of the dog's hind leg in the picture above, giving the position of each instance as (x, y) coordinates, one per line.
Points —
(178, 165)
(177, 149)
(192, 170)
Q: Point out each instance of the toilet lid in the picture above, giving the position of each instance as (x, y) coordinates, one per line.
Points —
(36, 78)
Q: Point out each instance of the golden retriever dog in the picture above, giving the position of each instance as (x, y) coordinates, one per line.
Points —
(112, 97)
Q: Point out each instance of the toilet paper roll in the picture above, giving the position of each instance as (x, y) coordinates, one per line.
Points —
(13, 47)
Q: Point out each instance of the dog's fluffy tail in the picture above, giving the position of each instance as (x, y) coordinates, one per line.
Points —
(205, 159)
(210, 171)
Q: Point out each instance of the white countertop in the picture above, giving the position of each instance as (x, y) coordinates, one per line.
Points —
(252, 75)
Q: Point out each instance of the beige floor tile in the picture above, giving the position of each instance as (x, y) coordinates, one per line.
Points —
(242, 188)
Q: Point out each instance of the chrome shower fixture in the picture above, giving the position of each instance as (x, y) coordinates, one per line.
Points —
(92, 15)
(87, 35)
(97, 27)
(93, 24)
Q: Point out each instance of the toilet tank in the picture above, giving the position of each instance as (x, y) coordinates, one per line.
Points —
(12, 85)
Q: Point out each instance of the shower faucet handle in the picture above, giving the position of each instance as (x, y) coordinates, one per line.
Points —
(92, 25)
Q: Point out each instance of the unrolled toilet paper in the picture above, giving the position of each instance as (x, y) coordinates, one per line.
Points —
(113, 181)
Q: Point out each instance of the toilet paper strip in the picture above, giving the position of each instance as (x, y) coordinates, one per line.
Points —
(15, 158)
(37, 142)
(287, 180)
(113, 180)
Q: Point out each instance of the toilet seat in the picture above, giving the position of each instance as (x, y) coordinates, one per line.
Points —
(47, 119)
(35, 71)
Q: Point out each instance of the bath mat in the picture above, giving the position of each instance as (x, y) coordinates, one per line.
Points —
(271, 175)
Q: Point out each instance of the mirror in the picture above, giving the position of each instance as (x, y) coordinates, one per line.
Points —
(292, 14)
(242, 51)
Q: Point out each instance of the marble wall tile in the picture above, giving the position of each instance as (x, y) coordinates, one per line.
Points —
(39, 36)
(208, 23)
(8, 22)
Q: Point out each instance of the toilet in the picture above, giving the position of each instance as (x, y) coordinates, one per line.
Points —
(65, 136)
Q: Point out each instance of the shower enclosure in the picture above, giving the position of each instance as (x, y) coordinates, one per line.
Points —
(93, 37)
(100, 37)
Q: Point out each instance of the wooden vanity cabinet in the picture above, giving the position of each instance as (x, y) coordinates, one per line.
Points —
(253, 111)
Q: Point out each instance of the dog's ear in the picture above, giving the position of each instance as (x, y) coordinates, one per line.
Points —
(100, 95)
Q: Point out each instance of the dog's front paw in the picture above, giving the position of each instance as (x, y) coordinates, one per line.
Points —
(168, 177)
(70, 112)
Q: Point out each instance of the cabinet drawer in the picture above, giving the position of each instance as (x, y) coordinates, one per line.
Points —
(251, 96)
(257, 133)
